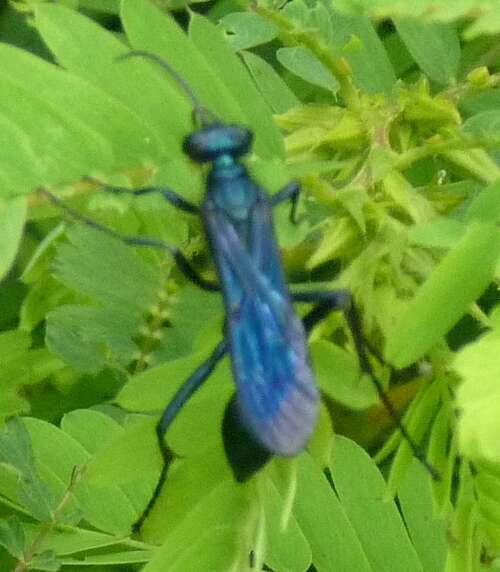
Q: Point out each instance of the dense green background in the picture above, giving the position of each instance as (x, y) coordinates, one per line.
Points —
(389, 116)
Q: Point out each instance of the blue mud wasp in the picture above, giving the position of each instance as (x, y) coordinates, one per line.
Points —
(274, 409)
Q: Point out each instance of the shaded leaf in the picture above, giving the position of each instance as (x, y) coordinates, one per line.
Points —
(435, 48)
(12, 536)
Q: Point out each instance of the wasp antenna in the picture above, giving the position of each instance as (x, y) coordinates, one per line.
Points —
(203, 115)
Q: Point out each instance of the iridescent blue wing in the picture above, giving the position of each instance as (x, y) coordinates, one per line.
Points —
(277, 398)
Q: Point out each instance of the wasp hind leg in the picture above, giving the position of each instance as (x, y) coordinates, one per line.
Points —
(341, 300)
(184, 393)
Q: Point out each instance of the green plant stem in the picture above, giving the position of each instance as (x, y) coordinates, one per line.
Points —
(338, 67)
(410, 157)
(466, 89)
(47, 528)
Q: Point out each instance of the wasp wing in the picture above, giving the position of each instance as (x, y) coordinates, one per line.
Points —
(277, 398)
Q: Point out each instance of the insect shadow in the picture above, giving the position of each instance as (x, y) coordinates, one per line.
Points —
(274, 409)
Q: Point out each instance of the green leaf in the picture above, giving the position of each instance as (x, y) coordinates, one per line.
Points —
(442, 454)
(479, 398)
(301, 62)
(12, 219)
(362, 492)
(274, 90)
(193, 427)
(145, 92)
(13, 345)
(486, 205)
(459, 279)
(16, 450)
(417, 420)
(196, 317)
(47, 107)
(465, 553)
(112, 559)
(288, 549)
(114, 463)
(435, 48)
(157, 218)
(207, 539)
(427, 530)
(487, 24)
(92, 429)
(257, 115)
(485, 124)
(355, 39)
(399, 56)
(88, 337)
(484, 11)
(73, 540)
(487, 100)
(106, 6)
(84, 265)
(195, 436)
(117, 452)
(437, 233)
(33, 125)
(339, 376)
(152, 389)
(12, 536)
(21, 367)
(486, 483)
(247, 30)
(45, 561)
(322, 519)
(150, 29)
(57, 454)
(202, 466)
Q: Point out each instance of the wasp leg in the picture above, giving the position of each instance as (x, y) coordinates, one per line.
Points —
(290, 192)
(170, 196)
(336, 300)
(184, 393)
(182, 262)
